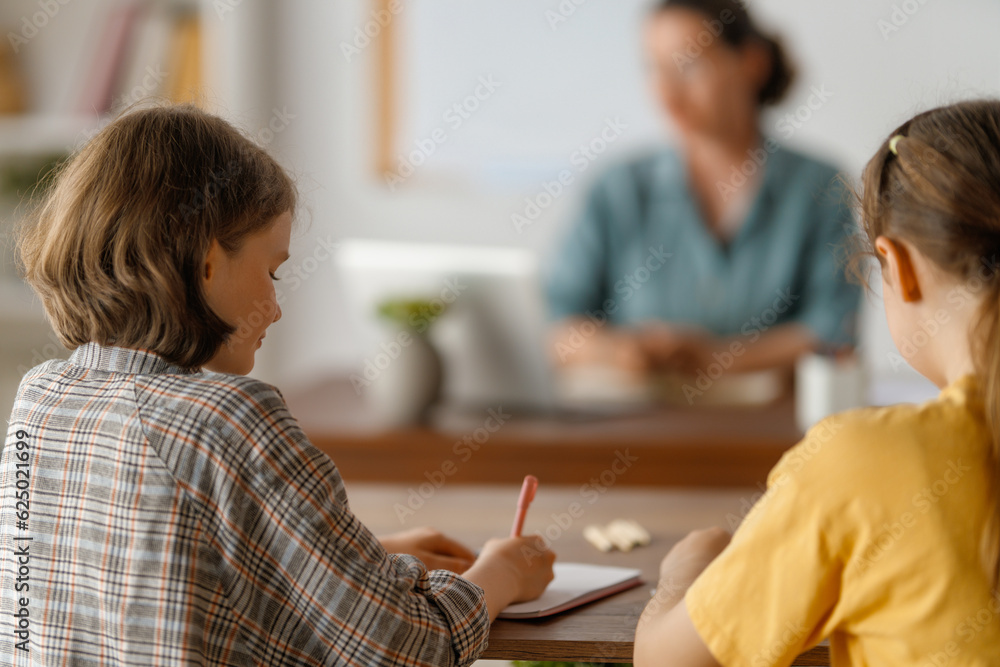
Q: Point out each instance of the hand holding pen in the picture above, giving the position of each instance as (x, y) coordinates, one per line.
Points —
(516, 568)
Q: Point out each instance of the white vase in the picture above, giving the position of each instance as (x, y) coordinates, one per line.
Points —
(408, 380)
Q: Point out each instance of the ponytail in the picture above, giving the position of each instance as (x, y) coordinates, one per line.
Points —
(782, 73)
(987, 356)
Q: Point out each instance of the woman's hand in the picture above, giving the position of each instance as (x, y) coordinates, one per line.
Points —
(437, 551)
(578, 341)
(653, 346)
(669, 347)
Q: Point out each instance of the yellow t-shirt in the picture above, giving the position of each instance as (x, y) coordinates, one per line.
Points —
(869, 535)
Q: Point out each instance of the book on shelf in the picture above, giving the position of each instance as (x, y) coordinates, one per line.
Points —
(108, 59)
(12, 93)
(146, 66)
(146, 49)
(185, 84)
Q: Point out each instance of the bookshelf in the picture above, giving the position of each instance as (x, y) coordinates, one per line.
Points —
(37, 134)
(71, 66)
(77, 63)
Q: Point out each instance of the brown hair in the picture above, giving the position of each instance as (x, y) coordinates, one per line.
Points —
(116, 248)
(737, 30)
(940, 192)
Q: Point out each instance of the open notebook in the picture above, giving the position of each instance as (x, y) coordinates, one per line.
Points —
(575, 584)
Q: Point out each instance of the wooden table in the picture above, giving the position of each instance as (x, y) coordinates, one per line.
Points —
(669, 446)
(600, 631)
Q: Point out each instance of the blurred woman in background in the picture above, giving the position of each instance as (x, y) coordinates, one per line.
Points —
(721, 249)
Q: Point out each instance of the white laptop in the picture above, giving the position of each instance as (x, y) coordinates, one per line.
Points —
(493, 336)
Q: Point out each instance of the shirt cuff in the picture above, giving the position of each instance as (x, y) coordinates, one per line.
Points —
(464, 605)
(715, 638)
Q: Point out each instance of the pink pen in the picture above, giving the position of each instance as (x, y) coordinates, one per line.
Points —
(527, 495)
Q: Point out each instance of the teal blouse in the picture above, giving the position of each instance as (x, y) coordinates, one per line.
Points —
(641, 251)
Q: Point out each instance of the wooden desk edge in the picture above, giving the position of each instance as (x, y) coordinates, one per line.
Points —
(619, 652)
(695, 464)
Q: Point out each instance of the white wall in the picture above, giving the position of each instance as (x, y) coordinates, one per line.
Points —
(280, 64)
(55, 46)
(941, 51)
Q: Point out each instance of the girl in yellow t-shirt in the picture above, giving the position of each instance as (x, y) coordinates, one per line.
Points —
(879, 531)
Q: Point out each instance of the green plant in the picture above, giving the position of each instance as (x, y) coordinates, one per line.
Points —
(414, 314)
(29, 176)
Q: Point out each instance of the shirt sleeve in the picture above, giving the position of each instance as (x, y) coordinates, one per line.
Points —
(774, 591)
(576, 276)
(830, 300)
(305, 576)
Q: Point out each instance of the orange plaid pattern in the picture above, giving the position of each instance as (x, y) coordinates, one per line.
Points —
(177, 517)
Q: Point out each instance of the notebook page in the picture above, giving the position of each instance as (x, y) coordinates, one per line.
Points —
(575, 584)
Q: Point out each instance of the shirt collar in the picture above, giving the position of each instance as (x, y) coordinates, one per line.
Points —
(125, 360)
(965, 387)
(770, 153)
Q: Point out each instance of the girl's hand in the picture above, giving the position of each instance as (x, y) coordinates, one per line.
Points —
(665, 633)
(512, 569)
(691, 556)
(526, 559)
(437, 551)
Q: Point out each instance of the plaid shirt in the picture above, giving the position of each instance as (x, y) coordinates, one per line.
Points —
(156, 516)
